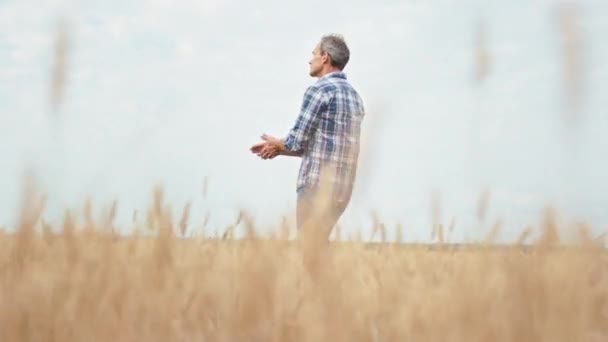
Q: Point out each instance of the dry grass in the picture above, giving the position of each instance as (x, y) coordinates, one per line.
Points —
(88, 284)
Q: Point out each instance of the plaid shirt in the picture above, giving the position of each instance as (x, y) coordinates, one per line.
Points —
(327, 132)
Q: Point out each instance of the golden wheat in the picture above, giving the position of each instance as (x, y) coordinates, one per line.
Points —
(89, 284)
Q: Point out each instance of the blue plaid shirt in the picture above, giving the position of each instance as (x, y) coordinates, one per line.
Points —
(327, 133)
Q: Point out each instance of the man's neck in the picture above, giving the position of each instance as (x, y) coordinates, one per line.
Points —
(328, 71)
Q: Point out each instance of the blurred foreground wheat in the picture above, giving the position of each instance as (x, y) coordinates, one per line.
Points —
(89, 284)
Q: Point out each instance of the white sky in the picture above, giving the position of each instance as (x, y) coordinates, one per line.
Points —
(171, 92)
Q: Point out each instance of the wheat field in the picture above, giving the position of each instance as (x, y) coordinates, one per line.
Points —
(84, 282)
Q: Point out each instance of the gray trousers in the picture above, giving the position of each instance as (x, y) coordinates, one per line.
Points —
(317, 216)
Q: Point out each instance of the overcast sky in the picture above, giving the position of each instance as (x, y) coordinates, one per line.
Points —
(173, 92)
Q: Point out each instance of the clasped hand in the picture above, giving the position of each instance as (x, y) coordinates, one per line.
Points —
(268, 148)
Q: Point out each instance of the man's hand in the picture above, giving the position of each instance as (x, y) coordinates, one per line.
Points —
(267, 149)
(257, 148)
(271, 147)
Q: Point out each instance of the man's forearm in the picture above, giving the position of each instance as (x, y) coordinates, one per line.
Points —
(284, 151)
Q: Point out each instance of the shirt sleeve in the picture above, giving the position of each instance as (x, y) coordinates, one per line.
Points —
(308, 119)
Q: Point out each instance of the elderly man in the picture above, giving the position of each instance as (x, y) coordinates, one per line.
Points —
(326, 136)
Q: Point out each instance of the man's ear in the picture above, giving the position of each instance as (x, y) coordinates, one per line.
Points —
(325, 57)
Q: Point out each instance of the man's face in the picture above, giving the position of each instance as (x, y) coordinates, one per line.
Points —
(317, 61)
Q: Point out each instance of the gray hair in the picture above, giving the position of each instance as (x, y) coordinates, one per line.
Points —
(336, 48)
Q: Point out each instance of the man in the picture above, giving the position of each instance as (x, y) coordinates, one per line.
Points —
(326, 136)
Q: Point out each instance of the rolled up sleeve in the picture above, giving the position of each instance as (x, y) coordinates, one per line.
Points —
(307, 120)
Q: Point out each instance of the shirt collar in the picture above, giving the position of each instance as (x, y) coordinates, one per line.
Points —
(338, 74)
